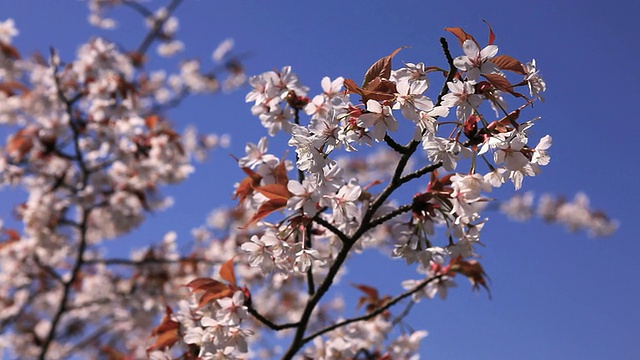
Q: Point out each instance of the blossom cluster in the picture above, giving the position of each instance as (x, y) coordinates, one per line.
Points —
(91, 147)
(576, 215)
(336, 123)
(329, 210)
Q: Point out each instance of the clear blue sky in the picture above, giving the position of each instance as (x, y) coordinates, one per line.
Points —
(555, 295)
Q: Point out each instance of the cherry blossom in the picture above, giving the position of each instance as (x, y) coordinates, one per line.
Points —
(380, 117)
(476, 61)
(534, 81)
(8, 30)
(92, 146)
(462, 95)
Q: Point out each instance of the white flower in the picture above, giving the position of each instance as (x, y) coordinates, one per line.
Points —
(445, 151)
(343, 203)
(462, 94)
(410, 99)
(257, 154)
(263, 87)
(519, 207)
(304, 259)
(305, 196)
(309, 157)
(380, 117)
(259, 255)
(168, 49)
(540, 155)
(411, 73)
(223, 49)
(7, 31)
(233, 310)
(534, 81)
(331, 88)
(476, 61)
(469, 186)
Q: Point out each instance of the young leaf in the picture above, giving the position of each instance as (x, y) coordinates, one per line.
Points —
(461, 35)
(166, 333)
(473, 271)
(226, 272)
(281, 173)
(12, 236)
(501, 83)
(371, 292)
(506, 62)
(352, 88)
(381, 68)
(9, 51)
(212, 290)
(265, 209)
(21, 142)
(205, 284)
(247, 184)
(492, 36)
(274, 191)
(151, 121)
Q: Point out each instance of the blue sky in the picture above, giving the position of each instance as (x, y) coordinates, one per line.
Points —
(555, 295)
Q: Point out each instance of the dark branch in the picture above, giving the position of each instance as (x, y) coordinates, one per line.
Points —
(269, 323)
(394, 145)
(156, 30)
(374, 313)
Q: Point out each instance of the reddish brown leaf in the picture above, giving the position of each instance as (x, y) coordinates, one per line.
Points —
(381, 68)
(274, 191)
(12, 234)
(501, 83)
(375, 95)
(461, 35)
(473, 271)
(166, 333)
(20, 143)
(265, 209)
(506, 62)
(10, 87)
(379, 89)
(137, 59)
(151, 121)
(112, 354)
(12, 237)
(370, 291)
(211, 296)
(492, 36)
(9, 50)
(212, 290)
(205, 284)
(372, 90)
(245, 188)
(351, 86)
(372, 299)
(226, 272)
(281, 173)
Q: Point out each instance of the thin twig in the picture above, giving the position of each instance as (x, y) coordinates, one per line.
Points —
(390, 215)
(83, 224)
(66, 291)
(374, 313)
(142, 262)
(365, 225)
(420, 172)
(394, 145)
(268, 322)
(342, 236)
(156, 30)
